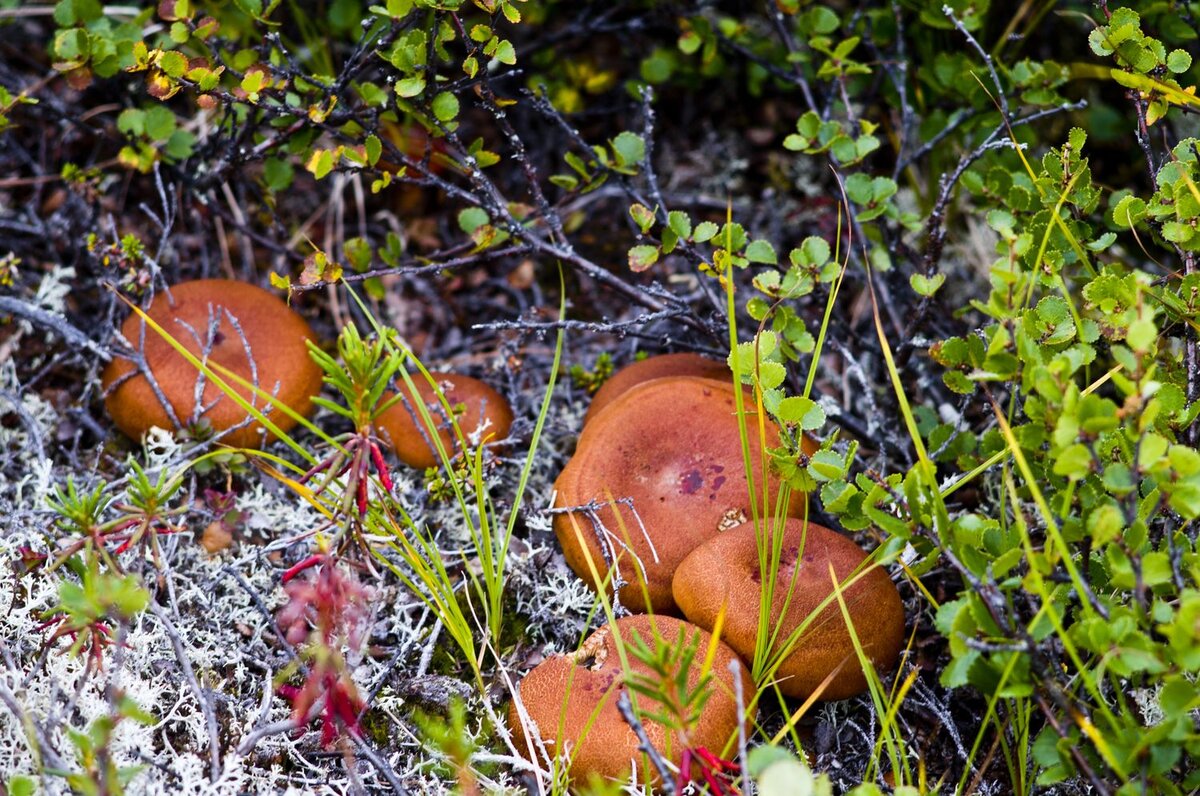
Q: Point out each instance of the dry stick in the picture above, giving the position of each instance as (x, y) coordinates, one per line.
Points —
(422, 266)
(648, 118)
(603, 326)
(567, 253)
(785, 36)
(644, 745)
(261, 605)
(987, 60)
(31, 426)
(210, 719)
(735, 668)
(278, 728)
(381, 765)
(52, 321)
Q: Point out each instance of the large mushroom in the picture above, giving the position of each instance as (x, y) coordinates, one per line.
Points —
(671, 447)
(723, 574)
(656, 367)
(485, 416)
(571, 702)
(235, 325)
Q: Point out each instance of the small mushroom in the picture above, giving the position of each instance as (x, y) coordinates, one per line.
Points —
(725, 572)
(671, 446)
(485, 416)
(571, 701)
(243, 328)
(657, 367)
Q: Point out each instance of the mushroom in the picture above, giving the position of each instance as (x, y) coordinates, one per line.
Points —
(485, 415)
(239, 326)
(724, 574)
(657, 367)
(571, 702)
(672, 446)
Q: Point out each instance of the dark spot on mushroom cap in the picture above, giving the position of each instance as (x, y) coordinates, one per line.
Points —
(656, 444)
(690, 481)
(274, 334)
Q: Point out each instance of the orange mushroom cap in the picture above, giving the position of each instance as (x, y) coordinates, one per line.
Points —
(266, 345)
(572, 702)
(487, 415)
(724, 572)
(656, 367)
(673, 446)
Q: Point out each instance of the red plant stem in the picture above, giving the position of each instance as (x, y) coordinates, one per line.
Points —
(307, 563)
(381, 467)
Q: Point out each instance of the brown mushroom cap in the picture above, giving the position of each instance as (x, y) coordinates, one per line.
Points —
(487, 415)
(673, 446)
(657, 367)
(563, 693)
(725, 570)
(274, 334)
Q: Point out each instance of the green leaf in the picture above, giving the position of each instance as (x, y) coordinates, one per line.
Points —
(374, 149)
(771, 375)
(629, 148)
(278, 173)
(926, 285)
(798, 410)
(1179, 61)
(471, 219)
(680, 224)
(180, 145)
(358, 253)
(77, 12)
(320, 163)
(642, 216)
(705, 231)
(132, 122)
(790, 778)
(410, 86)
(761, 251)
(21, 785)
(445, 106)
(1075, 462)
(642, 257)
(1142, 334)
(72, 45)
(173, 63)
(505, 53)
(160, 123)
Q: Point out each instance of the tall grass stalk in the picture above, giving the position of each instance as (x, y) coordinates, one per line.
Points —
(491, 544)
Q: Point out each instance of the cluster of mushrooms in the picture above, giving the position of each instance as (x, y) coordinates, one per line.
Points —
(245, 330)
(654, 507)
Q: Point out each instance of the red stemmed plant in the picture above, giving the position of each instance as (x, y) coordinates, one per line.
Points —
(698, 764)
(361, 376)
(327, 609)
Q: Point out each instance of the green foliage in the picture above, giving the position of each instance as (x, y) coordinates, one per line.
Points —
(778, 772)
(99, 774)
(668, 698)
(591, 380)
(360, 375)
